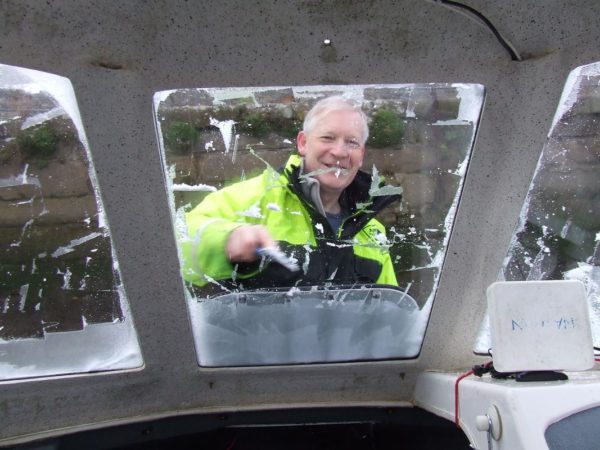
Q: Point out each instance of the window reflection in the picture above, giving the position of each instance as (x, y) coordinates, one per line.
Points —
(558, 235)
(420, 142)
(57, 270)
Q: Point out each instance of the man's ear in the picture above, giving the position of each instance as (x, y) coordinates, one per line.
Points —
(301, 143)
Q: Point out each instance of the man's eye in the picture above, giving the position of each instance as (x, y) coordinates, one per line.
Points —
(353, 144)
(327, 138)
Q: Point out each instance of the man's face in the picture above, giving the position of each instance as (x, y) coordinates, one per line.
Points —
(335, 147)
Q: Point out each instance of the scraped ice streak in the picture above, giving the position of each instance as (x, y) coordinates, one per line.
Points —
(75, 242)
(226, 129)
(23, 231)
(25, 179)
(182, 187)
(42, 117)
(410, 107)
(273, 174)
(235, 148)
(376, 191)
(308, 250)
(254, 211)
(24, 175)
(20, 180)
(23, 294)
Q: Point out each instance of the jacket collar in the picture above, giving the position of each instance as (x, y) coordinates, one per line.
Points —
(355, 198)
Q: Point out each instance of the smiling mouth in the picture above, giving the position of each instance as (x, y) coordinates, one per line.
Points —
(337, 170)
(335, 167)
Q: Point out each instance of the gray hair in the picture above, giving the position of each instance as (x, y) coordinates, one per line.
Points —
(335, 103)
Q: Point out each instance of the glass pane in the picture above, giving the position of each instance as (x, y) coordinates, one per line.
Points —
(62, 307)
(275, 327)
(558, 234)
(232, 157)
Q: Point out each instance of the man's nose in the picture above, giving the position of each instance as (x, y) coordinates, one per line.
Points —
(339, 148)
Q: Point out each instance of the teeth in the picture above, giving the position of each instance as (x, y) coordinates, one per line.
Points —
(336, 169)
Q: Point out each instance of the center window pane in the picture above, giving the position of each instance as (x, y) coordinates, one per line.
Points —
(347, 234)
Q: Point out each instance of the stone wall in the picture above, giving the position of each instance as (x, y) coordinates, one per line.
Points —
(562, 220)
(56, 269)
(424, 163)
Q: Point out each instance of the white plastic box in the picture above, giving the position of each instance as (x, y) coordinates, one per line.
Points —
(540, 325)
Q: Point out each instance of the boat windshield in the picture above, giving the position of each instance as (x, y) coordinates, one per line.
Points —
(558, 234)
(63, 308)
(226, 154)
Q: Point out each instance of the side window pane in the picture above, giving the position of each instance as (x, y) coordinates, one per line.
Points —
(62, 306)
(233, 157)
(558, 234)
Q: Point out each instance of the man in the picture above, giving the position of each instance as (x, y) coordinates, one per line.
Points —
(319, 212)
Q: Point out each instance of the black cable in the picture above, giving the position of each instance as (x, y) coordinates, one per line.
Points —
(513, 55)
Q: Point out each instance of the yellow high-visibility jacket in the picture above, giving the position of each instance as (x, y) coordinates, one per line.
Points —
(357, 253)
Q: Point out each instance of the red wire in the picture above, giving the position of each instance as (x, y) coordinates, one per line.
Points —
(486, 366)
(464, 375)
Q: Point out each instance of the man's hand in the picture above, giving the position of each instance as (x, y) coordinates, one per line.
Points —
(243, 242)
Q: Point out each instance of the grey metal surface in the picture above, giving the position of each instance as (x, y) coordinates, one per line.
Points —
(575, 431)
(117, 54)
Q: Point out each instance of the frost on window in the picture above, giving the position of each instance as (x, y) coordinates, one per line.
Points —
(558, 234)
(62, 307)
(420, 143)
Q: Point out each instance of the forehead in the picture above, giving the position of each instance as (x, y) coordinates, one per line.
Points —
(340, 121)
